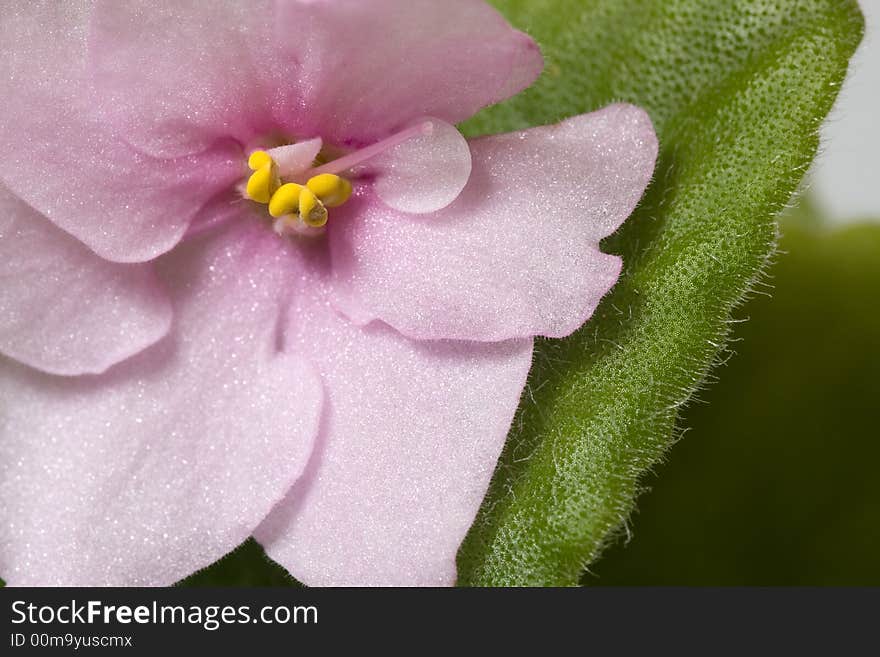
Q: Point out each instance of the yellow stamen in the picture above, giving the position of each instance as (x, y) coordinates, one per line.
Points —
(293, 205)
(258, 160)
(264, 181)
(285, 200)
(330, 188)
(311, 210)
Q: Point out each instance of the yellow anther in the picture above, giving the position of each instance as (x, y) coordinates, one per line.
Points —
(263, 182)
(311, 210)
(291, 204)
(285, 200)
(330, 188)
(258, 160)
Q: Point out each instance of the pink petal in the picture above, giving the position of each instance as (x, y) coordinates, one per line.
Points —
(157, 468)
(294, 159)
(176, 76)
(368, 68)
(409, 440)
(63, 309)
(424, 173)
(517, 254)
(59, 153)
(348, 71)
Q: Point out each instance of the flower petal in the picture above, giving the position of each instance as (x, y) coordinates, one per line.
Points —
(368, 68)
(517, 254)
(424, 173)
(409, 440)
(348, 71)
(177, 75)
(59, 153)
(294, 159)
(165, 463)
(63, 309)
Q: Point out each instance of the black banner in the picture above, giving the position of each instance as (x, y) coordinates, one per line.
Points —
(145, 621)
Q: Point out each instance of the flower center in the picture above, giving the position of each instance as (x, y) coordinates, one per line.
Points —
(298, 193)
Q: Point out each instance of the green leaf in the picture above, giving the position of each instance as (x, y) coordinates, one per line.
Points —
(736, 90)
(247, 565)
(776, 483)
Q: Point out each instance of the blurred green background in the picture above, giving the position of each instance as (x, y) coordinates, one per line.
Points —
(776, 480)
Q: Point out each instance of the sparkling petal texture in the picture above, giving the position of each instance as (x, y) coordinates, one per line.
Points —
(168, 461)
(59, 153)
(368, 68)
(63, 309)
(294, 159)
(232, 80)
(124, 134)
(348, 70)
(517, 254)
(409, 440)
(425, 173)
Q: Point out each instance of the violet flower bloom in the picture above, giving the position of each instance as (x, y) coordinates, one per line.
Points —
(323, 349)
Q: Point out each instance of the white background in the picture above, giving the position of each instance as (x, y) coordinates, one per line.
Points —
(846, 175)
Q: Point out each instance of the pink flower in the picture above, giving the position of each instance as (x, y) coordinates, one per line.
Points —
(177, 376)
